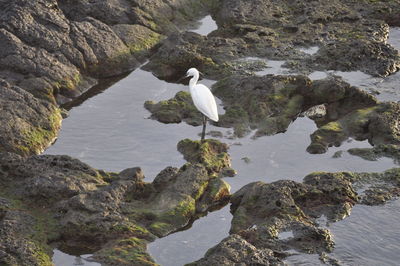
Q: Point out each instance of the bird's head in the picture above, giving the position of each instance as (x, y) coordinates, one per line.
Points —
(192, 72)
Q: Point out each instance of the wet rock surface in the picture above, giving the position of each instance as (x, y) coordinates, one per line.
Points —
(27, 125)
(378, 151)
(378, 124)
(55, 50)
(347, 36)
(270, 103)
(113, 214)
(235, 250)
(271, 220)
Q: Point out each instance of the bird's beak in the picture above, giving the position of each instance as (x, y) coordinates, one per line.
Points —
(181, 78)
(201, 73)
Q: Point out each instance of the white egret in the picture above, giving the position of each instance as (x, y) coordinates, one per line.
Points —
(202, 98)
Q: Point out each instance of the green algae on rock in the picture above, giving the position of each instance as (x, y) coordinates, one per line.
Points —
(378, 151)
(113, 215)
(86, 40)
(175, 110)
(28, 125)
(378, 124)
(210, 153)
(263, 212)
(130, 251)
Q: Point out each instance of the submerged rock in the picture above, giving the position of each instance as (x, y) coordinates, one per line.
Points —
(378, 151)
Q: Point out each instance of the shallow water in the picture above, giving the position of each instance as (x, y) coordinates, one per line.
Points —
(112, 131)
(309, 50)
(206, 25)
(63, 259)
(282, 156)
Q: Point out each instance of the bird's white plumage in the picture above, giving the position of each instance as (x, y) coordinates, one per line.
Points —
(204, 101)
(202, 97)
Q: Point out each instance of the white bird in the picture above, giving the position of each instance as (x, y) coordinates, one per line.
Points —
(202, 98)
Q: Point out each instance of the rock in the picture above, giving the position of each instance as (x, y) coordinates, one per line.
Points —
(178, 109)
(27, 125)
(261, 212)
(347, 36)
(48, 179)
(130, 251)
(134, 173)
(359, 54)
(235, 250)
(377, 188)
(376, 152)
(22, 237)
(270, 103)
(378, 124)
(315, 112)
(264, 213)
(59, 45)
(178, 53)
(60, 199)
(210, 153)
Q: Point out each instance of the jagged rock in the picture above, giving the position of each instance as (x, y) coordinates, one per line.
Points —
(378, 151)
(175, 110)
(378, 124)
(100, 211)
(235, 250)
(27, 125)
(212, 154)
(349, 39)
(271, 219)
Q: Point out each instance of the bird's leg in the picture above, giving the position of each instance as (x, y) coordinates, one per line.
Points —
(203, 134)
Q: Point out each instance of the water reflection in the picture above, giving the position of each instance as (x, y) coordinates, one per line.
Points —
(62, 259)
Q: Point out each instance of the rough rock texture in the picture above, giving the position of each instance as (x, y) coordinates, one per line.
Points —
(235, 250)
(269, 220)
(113, 215)
(269, 103)
(27, 125)
(377, 188)
(378, 124)
(343, 29)
(175, 110)
(51, 47)
(57, 49)
(378, 151)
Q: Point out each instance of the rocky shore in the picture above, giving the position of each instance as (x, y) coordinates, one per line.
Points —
(53, 51)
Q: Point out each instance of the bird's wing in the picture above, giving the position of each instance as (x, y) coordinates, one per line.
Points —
(204, 101)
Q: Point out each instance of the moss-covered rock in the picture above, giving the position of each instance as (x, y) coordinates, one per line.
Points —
(283, 215)
(210, 153)
(378, 124)
(27, 125)
(175, 110)
(130, 251)
(378, 151)
(113, 215)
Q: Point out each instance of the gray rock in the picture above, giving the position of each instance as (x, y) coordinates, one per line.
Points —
(27, 125)
(235, 250)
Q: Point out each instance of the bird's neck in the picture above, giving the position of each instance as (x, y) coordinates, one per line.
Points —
(193, 81)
